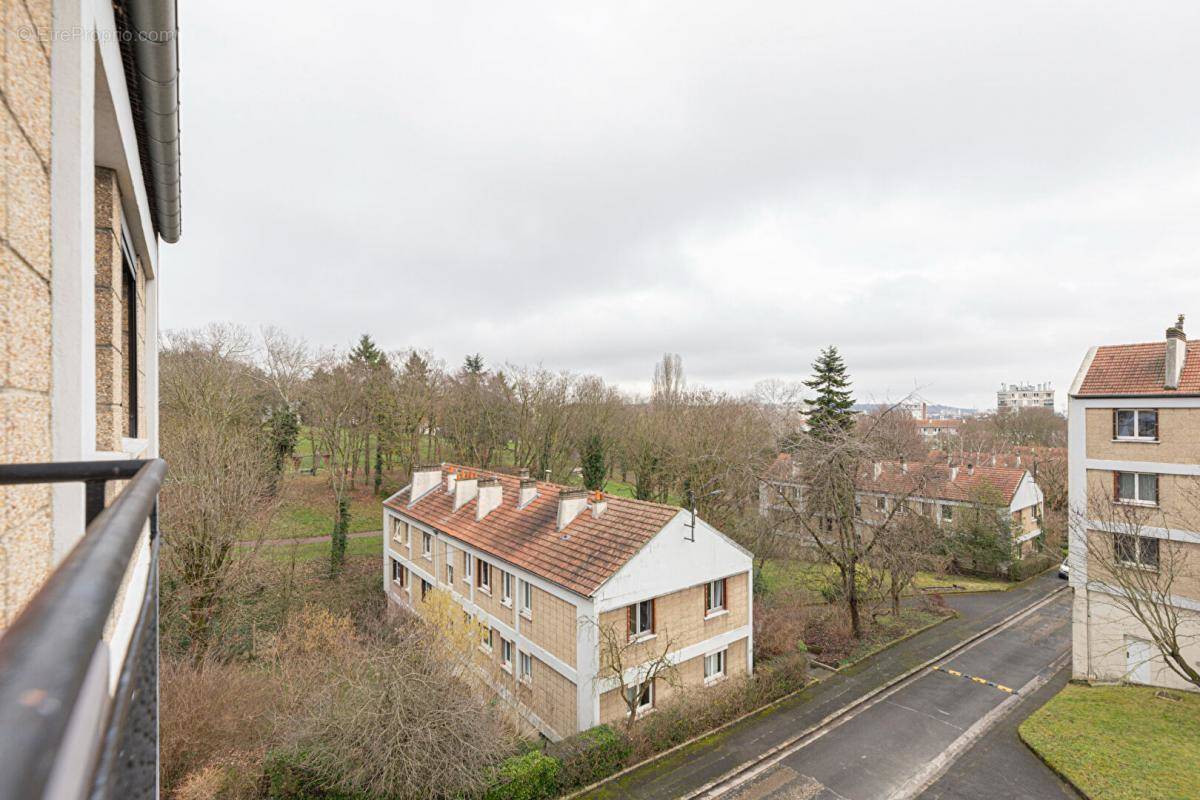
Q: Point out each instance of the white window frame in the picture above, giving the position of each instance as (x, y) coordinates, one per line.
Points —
(639, 633)
(648, 695)
(427, 545)
(1137, 500)
(527, 599)
(397, 566)
(526, 661)
(946, 513)
(711, 589)
(506, 579)
(506, 651)
(484, 584)
(1138, 543)
(488, 639)
(449, 571)
(720, 659)
(1137, 424)
(468, 570)
(881, 503)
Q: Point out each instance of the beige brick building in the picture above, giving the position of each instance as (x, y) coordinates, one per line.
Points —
(90, 188)
(1134, 485)
(558, 577)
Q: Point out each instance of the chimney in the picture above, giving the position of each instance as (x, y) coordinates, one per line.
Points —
(1176, 353)
(491, 495)
(451, 479)
(953, 474)
(527, 492)
(993, 461)
(570, 503)
(465, 489)
(876, 470)
(599, 504)
(1018, 459)
(903, 465)
(523, 472)
(970, 469)
(425, 479)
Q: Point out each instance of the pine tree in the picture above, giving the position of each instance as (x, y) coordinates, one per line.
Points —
(593, 466)
(830, 409)
(367, 352)
(473, 365)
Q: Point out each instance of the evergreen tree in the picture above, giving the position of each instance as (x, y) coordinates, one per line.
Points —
(830, 409)
(473, 365)
(283, 432)
(592, 456)
(367, 352)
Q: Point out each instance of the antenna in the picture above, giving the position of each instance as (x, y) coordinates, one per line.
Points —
(691, 500)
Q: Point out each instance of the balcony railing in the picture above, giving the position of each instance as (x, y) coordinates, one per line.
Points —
(48, 746)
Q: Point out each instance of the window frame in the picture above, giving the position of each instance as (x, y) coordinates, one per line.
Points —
(483, 576)
(402, 580)
(525, 661)
(487, 641)
(634, 622)
(1137, 425)
(506, 579)
(129, 267)
(526, 599)
(711, 589)
(426, 588)
(449, 571)
(643, 689)
(1140, 544)
(1136, 500)
(427, 545)
(947, 513)
(468, 572)
(722, 657)
(506, 652)
(881, 503)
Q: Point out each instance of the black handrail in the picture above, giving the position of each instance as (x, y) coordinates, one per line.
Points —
(46, 652)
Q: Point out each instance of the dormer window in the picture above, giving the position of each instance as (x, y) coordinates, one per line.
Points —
(1135, 424)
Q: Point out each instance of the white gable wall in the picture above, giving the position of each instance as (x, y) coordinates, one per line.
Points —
(1028, 493)
(669, 562)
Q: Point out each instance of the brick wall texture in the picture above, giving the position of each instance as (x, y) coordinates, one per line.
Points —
(26, 535)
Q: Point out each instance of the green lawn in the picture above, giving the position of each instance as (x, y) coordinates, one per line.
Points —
(361, 546)
(782, 574)
(1120, 742)
(307, 508)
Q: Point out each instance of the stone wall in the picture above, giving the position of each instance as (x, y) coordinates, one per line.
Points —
(26, 534)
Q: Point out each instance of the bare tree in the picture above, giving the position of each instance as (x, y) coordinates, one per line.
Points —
(903, 549)
(219, 488)
(1138, 571)
(634, 663)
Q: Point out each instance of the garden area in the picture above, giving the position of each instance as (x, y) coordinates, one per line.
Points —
(1120, 742)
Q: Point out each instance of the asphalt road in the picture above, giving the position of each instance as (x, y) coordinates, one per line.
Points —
(909, 739)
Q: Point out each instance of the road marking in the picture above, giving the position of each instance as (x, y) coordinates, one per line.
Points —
(975, 678)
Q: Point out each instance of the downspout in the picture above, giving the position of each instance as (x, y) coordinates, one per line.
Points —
(156, 33)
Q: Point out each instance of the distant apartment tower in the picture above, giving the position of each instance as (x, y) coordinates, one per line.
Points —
(1025, 395)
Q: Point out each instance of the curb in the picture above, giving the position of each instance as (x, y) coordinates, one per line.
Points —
(1079, 792)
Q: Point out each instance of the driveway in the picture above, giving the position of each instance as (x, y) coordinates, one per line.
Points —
(686, 771)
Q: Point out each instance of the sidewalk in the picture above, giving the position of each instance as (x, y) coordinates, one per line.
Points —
(311, 539)
(690, 768)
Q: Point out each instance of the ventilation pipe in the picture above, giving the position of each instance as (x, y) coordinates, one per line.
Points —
(156, 51)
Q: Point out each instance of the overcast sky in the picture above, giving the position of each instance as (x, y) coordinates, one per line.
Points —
(955, 193)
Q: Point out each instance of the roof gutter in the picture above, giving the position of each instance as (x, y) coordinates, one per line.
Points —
(156, 34)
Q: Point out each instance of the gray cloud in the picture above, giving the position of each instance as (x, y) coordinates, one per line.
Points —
(956, 194)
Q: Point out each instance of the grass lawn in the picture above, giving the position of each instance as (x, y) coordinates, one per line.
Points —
(782, 574)
(307, 508)
(1120, 742)
(312, 551)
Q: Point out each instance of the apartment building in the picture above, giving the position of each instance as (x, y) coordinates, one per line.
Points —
(933, 429)
(940, 491)
(91, 188)
(550, 571)
(1133, 482)
(1024, 395)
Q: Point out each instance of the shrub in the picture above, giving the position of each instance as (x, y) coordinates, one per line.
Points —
(532, 776)
(589, 756)
(779, 626)
(1026, 567)
(285, 777)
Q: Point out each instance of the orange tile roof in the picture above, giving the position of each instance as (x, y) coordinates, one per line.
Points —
(924, 479)
(581, 557)
(1138, 369)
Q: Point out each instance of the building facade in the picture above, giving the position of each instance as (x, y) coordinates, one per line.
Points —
(939, 491)
(1134, 494)
(1014, 396)
(91, 188)
(558, 577)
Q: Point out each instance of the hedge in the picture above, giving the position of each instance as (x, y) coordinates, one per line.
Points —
(1026, 567)
(286, 778)
(533, 776)
(590, 756)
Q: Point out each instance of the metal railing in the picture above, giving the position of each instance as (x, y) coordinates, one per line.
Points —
(48, 650)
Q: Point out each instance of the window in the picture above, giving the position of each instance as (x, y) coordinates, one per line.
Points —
(1139, 488)
(641, 696)
(483, 578)
(1136, 423)
(398, 531)
(506, 588)
(714, 665)
(425, 587)
(527, 598)
(641, 619)
(486, 643)
(881, 503)
(399, 574)
(714, 596)
(1140, 551)
(449, 572)
(506, 648)
(526, 667)
(858, 506)
(130, 337)
(466, 566)
(426, 545)
(947, 512)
